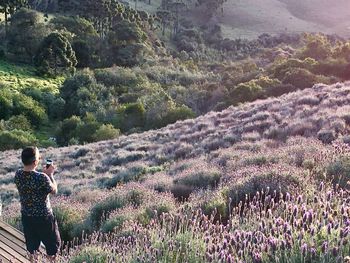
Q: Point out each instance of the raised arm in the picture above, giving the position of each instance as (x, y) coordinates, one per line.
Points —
(51, 180)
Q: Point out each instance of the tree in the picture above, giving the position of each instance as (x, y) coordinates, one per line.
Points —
(55, 55)
(164, 17)
(67, 130)
(9, 7)
(130, 116)
(85, 39)
(212, 5)
(176, 7)
(126, 44)
(16, 139)
(25, 34)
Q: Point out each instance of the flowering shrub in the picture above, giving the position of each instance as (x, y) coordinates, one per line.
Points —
(295, 228)
(237, 176)
(339, 171)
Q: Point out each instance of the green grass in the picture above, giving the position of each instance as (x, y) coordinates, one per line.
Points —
(19, 77)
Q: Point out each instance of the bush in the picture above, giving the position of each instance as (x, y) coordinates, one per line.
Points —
(176, 114)
(30, 108)
(80, 153)
(67, 218)
(123, 158)
(99, 212)
(339, 172)
(215, 203)
(132, 174)
(302, 78)
(244, 92)
(317, 47)
(200, 179)
(279, 90)
(281, 183)
(91, 254)
(154, 211)
(19, 122)
(67, 130)
(16, 139)
(106, 132)
(114, 224)
(188, 181)
(130, 116)
(326, 136)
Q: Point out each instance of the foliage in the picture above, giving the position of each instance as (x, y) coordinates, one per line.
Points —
(16, 139)
(55, 56)
(91, 254)
(130, 116)
(67, 218)
(339, 172)
(25, 35)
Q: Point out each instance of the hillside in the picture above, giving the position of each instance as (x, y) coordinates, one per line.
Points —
(20, 77)
(269, 144)
(250, 18)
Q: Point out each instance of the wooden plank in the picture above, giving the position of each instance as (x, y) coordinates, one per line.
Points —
(13, 239)
(12, 252)
(4, 256)
(13, 243)
(13, 231)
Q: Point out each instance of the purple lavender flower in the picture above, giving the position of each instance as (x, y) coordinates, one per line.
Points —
(304, 249)
(324, 247)
(335, 251)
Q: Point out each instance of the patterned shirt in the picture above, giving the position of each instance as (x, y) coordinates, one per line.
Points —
(34, 189)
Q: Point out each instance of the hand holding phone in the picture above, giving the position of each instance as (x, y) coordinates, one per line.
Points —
(49, 168)
(49, 162)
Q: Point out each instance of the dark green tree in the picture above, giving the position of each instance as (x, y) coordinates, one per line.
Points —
(55, 56)
(25, 34)
(176, 8)
(126, 44)
(212, 6)
(164, 18)
(9, 7)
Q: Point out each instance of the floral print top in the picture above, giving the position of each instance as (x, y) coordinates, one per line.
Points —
(34, 189)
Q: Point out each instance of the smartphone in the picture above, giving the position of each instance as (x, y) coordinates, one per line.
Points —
(49, 162)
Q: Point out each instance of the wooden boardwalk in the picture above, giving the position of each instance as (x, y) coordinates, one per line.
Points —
(12, 245)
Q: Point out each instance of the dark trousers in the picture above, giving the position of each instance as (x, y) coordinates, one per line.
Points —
(41, 229)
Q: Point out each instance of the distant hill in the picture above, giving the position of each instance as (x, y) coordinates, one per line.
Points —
(250, 18)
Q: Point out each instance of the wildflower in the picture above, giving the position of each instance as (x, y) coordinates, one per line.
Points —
(313, 253)
(324, 247)
(300, 199)
(304, 249)
(287, 197)
(329, 196)
(321, 186)
(329, 228)
(335, 251)
(257, 258)
(295, 211)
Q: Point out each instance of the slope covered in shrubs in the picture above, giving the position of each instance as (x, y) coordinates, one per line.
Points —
(259, 182)
(124, 77)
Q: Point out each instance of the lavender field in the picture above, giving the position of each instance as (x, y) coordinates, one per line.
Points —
(262, 182)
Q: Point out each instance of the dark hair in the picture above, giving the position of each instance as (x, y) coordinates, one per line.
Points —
(29, 155)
